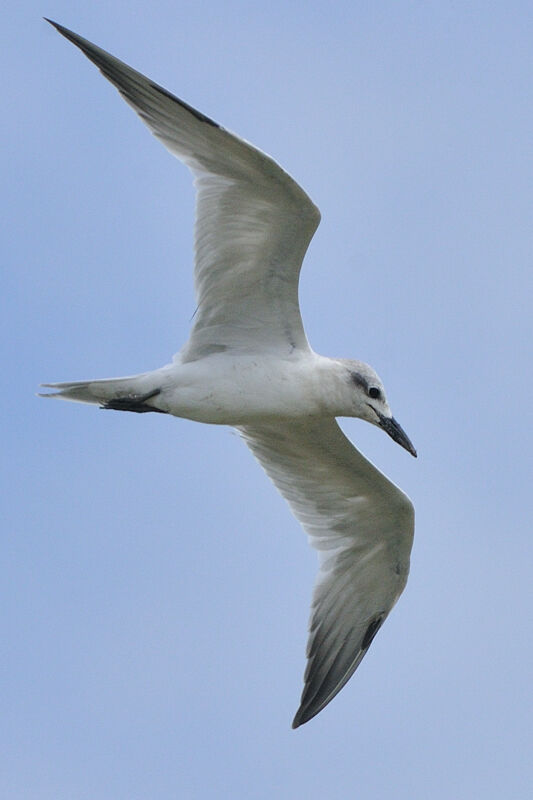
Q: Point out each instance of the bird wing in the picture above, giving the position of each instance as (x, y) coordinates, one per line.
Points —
(361, 524)
(253, 222)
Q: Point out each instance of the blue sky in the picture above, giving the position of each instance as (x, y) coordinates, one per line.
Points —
(155, 588)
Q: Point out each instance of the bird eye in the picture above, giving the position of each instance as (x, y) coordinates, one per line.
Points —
(374, 392)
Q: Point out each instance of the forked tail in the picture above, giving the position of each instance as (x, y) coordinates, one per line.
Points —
(136, 393)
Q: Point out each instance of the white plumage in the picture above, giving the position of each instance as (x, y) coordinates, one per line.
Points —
(248, 364)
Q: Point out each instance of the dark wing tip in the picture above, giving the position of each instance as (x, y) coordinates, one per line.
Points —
(301, 717)
(309, 709)
(306, 711)
(92, 51)
(61, 28)
(117, 72)
(317, 697)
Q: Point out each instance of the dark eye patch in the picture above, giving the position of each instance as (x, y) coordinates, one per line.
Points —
(359, 381)
(374, 392)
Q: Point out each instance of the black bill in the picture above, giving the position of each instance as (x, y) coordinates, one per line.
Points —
(396, 432)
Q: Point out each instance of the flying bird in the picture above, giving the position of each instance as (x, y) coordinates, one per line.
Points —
(248, 364)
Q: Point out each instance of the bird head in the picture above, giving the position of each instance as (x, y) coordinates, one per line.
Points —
(369, 402)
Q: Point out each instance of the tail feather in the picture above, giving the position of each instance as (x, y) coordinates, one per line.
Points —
(101, 392)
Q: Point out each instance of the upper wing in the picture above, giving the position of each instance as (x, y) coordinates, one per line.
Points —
(362, 526)
(253, 222)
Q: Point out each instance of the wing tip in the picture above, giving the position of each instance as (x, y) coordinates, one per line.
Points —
(104, 61)
(314, 702)
(304, 714)
(84, 44)
(57, 26)
(298, 719)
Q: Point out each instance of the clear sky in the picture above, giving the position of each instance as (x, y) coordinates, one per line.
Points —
(155, 587)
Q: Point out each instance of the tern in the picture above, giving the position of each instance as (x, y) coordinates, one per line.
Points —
(248, 364)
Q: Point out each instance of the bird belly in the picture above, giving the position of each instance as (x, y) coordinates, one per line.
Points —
(236, 391)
